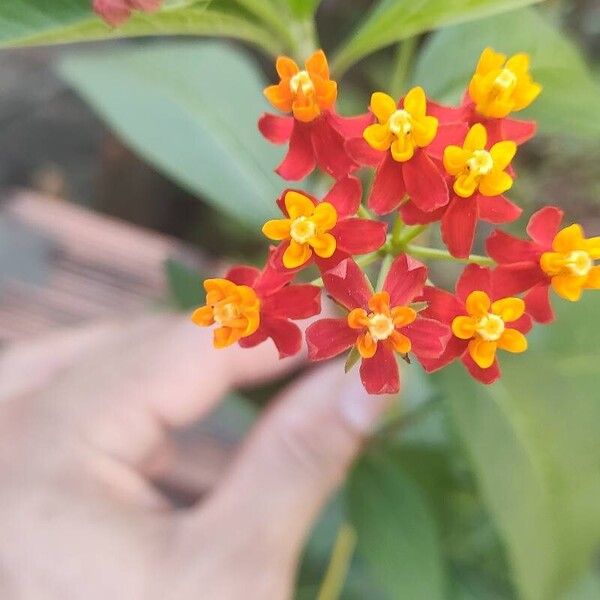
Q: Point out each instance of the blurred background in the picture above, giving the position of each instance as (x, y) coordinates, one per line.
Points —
(131, 168)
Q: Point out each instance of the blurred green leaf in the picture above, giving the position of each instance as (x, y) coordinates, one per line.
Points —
(534, 445)
(189, 109)
(303, 8)
(390, 21)
(185, 285)
(570, 101)
(396, 530)
(33, 22)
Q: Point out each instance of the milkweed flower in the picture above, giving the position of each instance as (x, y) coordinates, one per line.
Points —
(326, 231)
(499, 87)
(561, 259)
(483, 320)
(314, 131)
(379, 325)
(116, 12)
(478, 176)
(248, 306)
(403, 144)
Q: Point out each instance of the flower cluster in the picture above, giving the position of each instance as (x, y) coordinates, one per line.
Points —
(432, 163)
(116, 12)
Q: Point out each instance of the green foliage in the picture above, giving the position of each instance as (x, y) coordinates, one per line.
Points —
(570, 101)
(534, 446)
(303, 8)
(31, 22)
(396, 530)
(391, 21)
(202, 135)
(184, 285)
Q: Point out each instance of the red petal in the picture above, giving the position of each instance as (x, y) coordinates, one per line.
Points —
(329, 149)
(293, 302)
(388, 187)
(455, 348)
(544, 225)
(345, 195)
(446, 114)
(114, 13)
(441, 305)
(300, 158)
(258, 337)
(276, 129)
(275, 275)
(458, 226)
(327, 338)
(537, 302)
(486, 376)
(359, 236)
(411, 215)
(405, 280)
(363, 154)
(428, 337)
(497, 209)
(380, 374)
(243, 275)
(286, 335)
(524, 324)
(350, 127)
(474, 278)
(347, 284)
(517, 131)
(505, 248)
(447, 135)
(425, 182)
(515, 278)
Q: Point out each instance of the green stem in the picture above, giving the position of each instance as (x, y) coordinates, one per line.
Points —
(402, 64)
(437, 254)
(410, 234)
(364, 213)
(339, 564)
(397, 230)
(361, 261)
(306, 39)
(386, 263)
(269, 16)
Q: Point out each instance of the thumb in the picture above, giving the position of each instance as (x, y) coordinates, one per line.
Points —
(296, 457)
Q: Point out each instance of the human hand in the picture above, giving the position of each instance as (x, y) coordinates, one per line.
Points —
(86, 421)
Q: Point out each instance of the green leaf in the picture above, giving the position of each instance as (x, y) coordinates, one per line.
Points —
(33, 22)
(190, 110)
(393, 20)
(353, 358)
(184, 285)
(303, 8)
(570, 100)
(396, 531)
(534, 445)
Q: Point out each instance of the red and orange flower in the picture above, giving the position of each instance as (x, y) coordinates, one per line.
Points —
(327, 231)
(248, 306)
(482, 319)
(561, 259)
(403, 144)
(315, 133)
(380, 325)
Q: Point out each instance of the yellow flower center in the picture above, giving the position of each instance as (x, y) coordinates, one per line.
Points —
(302, 81)
(302, 229)
(579, 262)
(380, 326)
(225, 313)
(490, 327)
(506, 81)
(400, 123)
(481, 163)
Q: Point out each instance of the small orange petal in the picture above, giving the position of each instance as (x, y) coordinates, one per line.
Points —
(203, 316)
(380, 303)
(366, 345)
(478, 303)
(400, 342)
(483, 352)
(403, 315)
(357, 318)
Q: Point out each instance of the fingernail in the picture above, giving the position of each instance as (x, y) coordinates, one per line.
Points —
(361, 410)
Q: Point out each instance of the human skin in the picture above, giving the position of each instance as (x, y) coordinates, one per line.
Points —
(87, 418)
